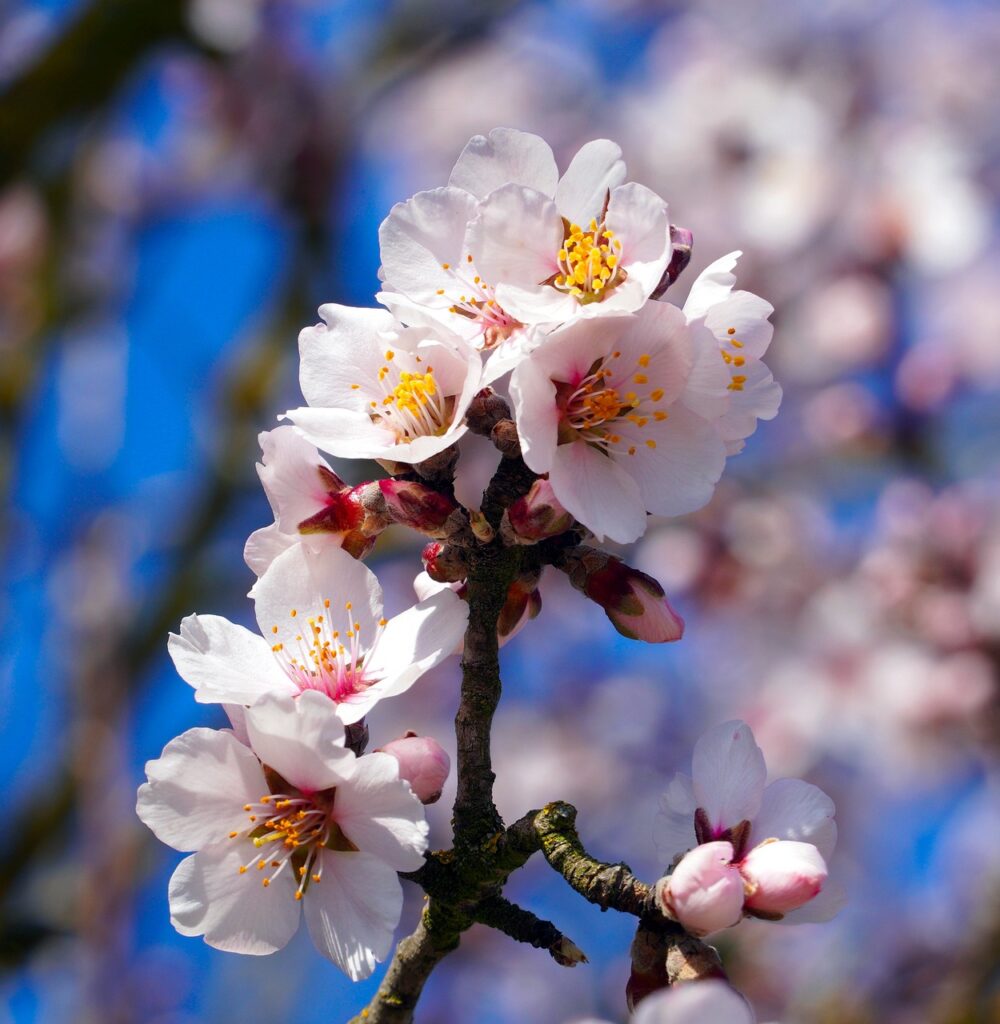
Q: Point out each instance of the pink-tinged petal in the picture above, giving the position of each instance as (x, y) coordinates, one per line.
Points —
(598, 492)
(414, 314)
(705, 891)
(297, 587)
(759, 398)
(423, 763)
(712, 286)
(536, 414)
(793, 809)
(782, 876)
(342, 432)
(233, 911)
(302, 739)
(679, 474)
(225, 662)
(728, 773)
(505, 156)
(707, 391)
(697, 1002)
(352, 913)
(673, 826)
(263, 547)
(515, 241)
(380, 813)
(416, 640)
(659, 335)
(421, 241)
(343, 351)
(296, 478)
(597, 168)
(197, 788)
(742, 317)
(822, 908)
(638, 217)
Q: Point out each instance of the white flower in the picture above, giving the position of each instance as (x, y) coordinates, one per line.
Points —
(698, 1002)
(738, 321)
(310, 502)
(726, 800)
(322, 616)
(599, 409)
(293, 818)
(584, 245)
(377, 390)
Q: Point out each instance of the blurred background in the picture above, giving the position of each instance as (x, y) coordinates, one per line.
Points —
(182, 182)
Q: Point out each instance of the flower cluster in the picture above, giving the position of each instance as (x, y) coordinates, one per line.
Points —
(624, 404)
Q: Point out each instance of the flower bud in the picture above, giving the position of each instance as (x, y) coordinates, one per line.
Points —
(705, 891)
(485, 410)
(423, 763)
(418, 506)
(634, 602)
(522, 604)
(343, 512)
(444, 563)
(680, 256)
(782, 875)
(535, 516)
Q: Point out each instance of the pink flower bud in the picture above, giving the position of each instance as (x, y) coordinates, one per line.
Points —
(705, 891)
(634, 602)
(781, 875)
(423, 763)
(444, 563)
(523, 603)
(418, 506)
(536, 516)
(343, 512)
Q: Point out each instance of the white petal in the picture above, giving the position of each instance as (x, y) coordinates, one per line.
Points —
(760, 398)
(235, 912)
(197, 788)
(303, 580)
(353, 912)
(515, 241)
(418, 639)
(302, 739)
(745, 314)
(420, 237)
(673, 826)
(342, 432)
(638, 217)
(225, 662)
(728, 772)
(343, 351)
(597, 168)
(380, 815)
(292, 475)
(678, 475)
(701, 1002)
(711, 286)
(824, 907)
(793, 809)
(598, 492)
(707, 390)
(263, 547)
(504, 156)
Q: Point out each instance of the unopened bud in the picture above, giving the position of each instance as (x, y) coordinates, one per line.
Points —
(522, 604)
(423, 763)
(343, 513)
(535, 516)
(705, 891)
(411, 503)
(567, 953)
(444, 562)
(682, 242)
(634, 602)
(485, 410)
(504, 436)
(782, 875)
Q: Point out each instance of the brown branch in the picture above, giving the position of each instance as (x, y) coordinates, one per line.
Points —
(524, 926)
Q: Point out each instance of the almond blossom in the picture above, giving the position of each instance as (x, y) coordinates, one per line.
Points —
(702, 1002)
(377, 390)
(583, 245)
(290, 821)
(757, 848)
(739, 323)
(604, 409)
(321, 615)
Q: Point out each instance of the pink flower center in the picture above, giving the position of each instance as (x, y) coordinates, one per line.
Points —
(325, 659)
(477, 301)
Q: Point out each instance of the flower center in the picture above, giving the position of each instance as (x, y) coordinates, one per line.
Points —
(287, 832)
(589, 262)
(610, 409)
(409, 402)
(327, 660)
(476, 301)
(732, 357)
